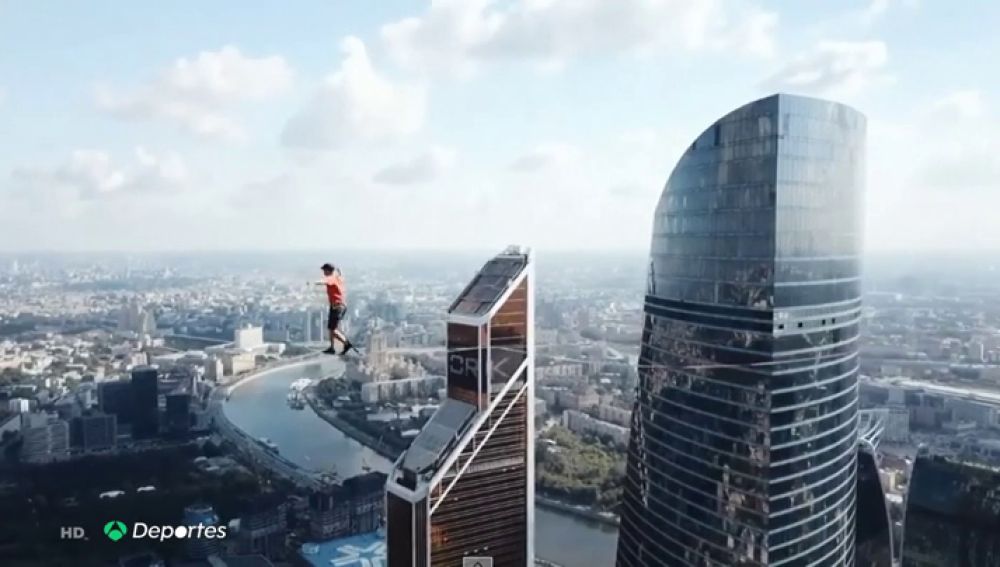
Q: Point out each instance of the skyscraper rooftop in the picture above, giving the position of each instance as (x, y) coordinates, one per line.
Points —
(465, 486)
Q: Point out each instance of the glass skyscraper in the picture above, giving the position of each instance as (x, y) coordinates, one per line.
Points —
(873, 526)
(463, 493)
(952, 514)
(743, 447)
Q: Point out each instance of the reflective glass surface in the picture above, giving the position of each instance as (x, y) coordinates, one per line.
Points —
(952, 515)
(874, 532)
(743, 445)
(476, 471)
(488, 285)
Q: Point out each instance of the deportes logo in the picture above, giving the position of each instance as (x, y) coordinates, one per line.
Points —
(115, 530)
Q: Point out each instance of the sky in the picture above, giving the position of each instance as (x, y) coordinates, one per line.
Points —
(465, 124)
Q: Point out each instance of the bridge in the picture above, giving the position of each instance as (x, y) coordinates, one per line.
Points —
(192, 342)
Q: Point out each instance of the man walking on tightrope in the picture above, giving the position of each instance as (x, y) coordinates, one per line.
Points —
(335, 292)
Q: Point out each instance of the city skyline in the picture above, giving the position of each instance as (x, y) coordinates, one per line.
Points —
(178, 129)
(70, 339)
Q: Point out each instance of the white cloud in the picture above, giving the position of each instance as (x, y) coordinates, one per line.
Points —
(196, 93)
(91, 174)
(356, 103)
(961, 104)
(877, 9)
(933, 168)
(834, 68)
(458, 35)
(546, 156)
(965, 171)
(425, 167)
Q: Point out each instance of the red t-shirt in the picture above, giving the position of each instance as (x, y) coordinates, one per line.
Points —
(334, 289)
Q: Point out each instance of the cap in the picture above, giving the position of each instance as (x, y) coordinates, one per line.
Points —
(327, 267)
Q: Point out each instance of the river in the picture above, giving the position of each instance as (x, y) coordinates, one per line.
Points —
(259, 408)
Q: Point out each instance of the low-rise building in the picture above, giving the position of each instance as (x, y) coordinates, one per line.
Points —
(579, 422)
(248, 338)
(19, 405)
(235, 363)
(263, 528)
(355, 507)
(97, 431)
(579, 399)
(421, 387)
(897, 425)
(46, 443)
(614, 414)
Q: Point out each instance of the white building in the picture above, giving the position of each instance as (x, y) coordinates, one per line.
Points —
(421, 387)
(249, 338)
(977, 351)
(19, 405)
(579, 422)
(136, 318)
(195, 357)
(46, 443)
(983, 415)
(897, 425)
(897, 395)
(614, 414)
(168, 360)
(569, 369)
(540, 407)
(214, 369)
(234, 363)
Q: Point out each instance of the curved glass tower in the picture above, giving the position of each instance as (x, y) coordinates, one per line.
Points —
(744, 434)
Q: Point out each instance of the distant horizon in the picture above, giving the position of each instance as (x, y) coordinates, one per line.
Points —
(951, 254)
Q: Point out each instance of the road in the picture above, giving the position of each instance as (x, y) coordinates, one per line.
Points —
(979, 394)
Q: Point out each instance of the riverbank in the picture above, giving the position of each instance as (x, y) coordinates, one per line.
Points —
(261, 410)
(278, 365)
(558, 506)
(370, 441)
(252, 451)
(366, 439)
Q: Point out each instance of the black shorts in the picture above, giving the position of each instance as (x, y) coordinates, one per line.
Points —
(334, 317)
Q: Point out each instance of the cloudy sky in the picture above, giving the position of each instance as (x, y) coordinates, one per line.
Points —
(464, 123)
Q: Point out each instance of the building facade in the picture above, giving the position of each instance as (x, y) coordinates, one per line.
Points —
(46, 443)
(354, 507)
(952, 514)
(248, 338)
(743, 440)
(582, 423)
(178, 412)
(145, 402)
(873, 525)
(264, 526)
(465, 487)
(98, 432)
